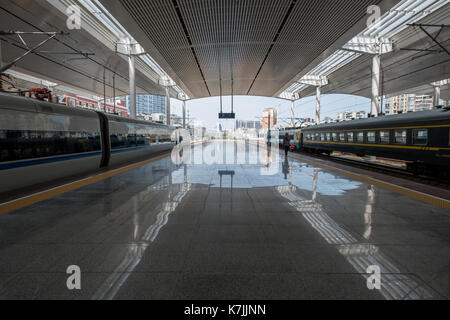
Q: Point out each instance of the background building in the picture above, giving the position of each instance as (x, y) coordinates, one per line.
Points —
(423, 103)
(157, 117)
(176, 120)
(272, 114)
(349, 115)
(408, 103)
(242, 124)
(148, 104)
(98, 105)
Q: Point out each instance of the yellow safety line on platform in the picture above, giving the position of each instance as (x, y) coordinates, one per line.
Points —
(417, 195)
(26, 201)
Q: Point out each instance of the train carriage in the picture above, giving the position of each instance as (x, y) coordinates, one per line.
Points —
(41, 142)
(422, 139)
(135, 138)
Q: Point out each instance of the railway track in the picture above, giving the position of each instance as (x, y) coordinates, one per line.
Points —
(384, 169)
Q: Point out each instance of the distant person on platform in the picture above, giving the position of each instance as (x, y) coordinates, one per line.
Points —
(286, 144)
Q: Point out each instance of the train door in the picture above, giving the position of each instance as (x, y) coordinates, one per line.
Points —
(106, 143)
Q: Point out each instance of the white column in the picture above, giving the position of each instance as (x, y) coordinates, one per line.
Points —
(131, 60)
(376, 80)
(293, 114)
(168, 105)
(184, 114)
(317, 105)
(437, 95)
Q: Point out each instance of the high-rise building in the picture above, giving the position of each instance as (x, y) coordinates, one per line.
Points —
(408, 103)
(423, 103)
(272, 114)
(148, 104)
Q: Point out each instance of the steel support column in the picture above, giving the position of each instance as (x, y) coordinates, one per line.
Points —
(293, 114)
(318, 92)
(184, 113)
(168, 122)
(376, 82)
(131, 60)
(437, 96)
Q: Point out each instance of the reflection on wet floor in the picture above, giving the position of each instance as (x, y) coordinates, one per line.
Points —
(361, 255)
(226, 220)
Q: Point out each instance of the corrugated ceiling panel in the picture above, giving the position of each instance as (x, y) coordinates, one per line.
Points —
(313, 26)
(262, 43)
(230, 36)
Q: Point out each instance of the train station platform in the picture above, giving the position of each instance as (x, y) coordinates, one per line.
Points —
(254, 226)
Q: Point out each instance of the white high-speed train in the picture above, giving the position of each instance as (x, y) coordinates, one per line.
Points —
(41, 142)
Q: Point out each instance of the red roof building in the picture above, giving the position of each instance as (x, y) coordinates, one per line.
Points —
(80, 102)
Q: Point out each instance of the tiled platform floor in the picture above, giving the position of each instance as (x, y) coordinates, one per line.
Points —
(243, 230)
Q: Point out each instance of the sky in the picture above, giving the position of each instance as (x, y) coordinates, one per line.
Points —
(204, 112)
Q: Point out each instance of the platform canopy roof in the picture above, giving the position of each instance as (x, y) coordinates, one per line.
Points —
(411, 60)
(202, 48)
(251, 47)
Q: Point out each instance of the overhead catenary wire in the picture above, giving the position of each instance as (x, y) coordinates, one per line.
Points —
(74, 50)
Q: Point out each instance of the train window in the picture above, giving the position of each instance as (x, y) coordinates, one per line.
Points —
(420, 137)
(385, 137)
(317, 137)
(335, 136)
(120, 141)
(350, 136)
(400, 137)
(371, 137)
(141, 140)
(24, 145)
(329, 136)
(360, 137)
(342, 137)
(164, 138)
(322, 137)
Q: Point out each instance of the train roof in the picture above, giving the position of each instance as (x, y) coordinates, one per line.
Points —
(407, 119)
(17, 103)
(128, 120)
(12, 102)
